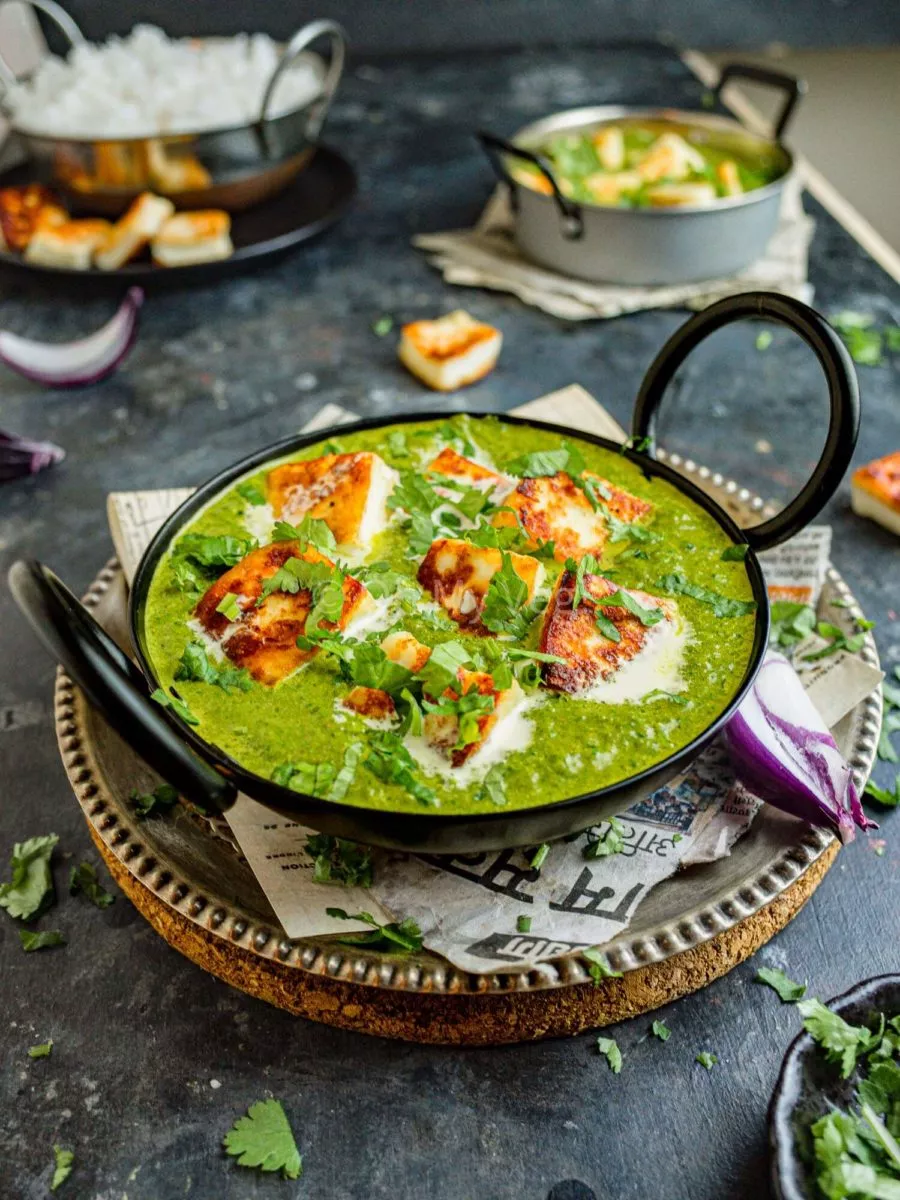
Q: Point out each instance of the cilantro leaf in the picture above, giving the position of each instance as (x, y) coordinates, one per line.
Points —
(44, 940)
(468, 709)
(538, 463)
(599, 968)
(296, 575)
(779, 982)
(380, 579)
(540, 856)
(394, 938)
(264, 1139)
(176, 704)
(602, 845)
(391, 762)
(83, 879)
(764, 339)
(620, 599)
(838, 640)
(660, 1030)
(147, 804)
(638, 444)
(313, 779)
(310, 532)
(62, 1168)
(42, 1050)
(229, 607)
(610, 1048)
(382, 326)
(196, 665)
(882, 796)
(842, 1042)
(722, 606)
(30, 890)
(441, 671)
(791, 623)
(186, 578)
(506, 608)
(251, 493)
(214, 551)
(736, 553)
(706, 1059)
(587, 565)
(369, 666)
(523, 924)
(338, 861)
(493, 787)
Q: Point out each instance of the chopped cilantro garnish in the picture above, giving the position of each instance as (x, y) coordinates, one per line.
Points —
(441, 671)
(176, 704)
(706, 1059)
(736, 553)
(660, 1030)
(722, 606)
(345, 776)
(63, 1161)
(602, 845)
(391, 762)
(764, 339)
(382, 326)
(540, 856)
(229, 607)
(599, 968)
(523, 924)
(337, 861)
(41, 941)
(83, 879)
(380, 579)
(843, 1043)
(196, 665)
(313, 779)
(264, 1139)
(42, 1050)
(791, 623)
(539, 463)
(310, 532)
(394, 938)
(620, 599)
(789, 991)
(493, 787)
(367, 665)
(185, 577)
(30, 890)
(888, 799)
(587, 565)
(396, 444)
(251, 493)
(468, 709)
(638, 444)
(837, 640)
(161, 799)
(216, 551)
(609, 1047)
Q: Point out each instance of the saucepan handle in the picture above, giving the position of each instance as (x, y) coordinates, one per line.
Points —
(497, 148)
(113, 684)
(792, 89)
(60, 18)
(843, 394)
(299, 42)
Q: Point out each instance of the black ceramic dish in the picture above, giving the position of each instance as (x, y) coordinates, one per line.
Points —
(206, 775)
(808, 1087)
(314, 201)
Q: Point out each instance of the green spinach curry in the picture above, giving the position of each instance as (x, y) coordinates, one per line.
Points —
(457, 615)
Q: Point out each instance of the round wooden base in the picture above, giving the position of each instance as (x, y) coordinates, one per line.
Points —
(467, 1020)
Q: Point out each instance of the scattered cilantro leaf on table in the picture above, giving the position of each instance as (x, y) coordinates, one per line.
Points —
(788, 991)
(764, 339)
(30, 890)
(395, 937)
(888, 799)
(338, 861)
(160, 800)
(610, 1048)
(43, 940)
(791, 623)
(523, 924)
(706, 1059)
(539, 857)
(41, 1050)
(837, 640)
(599, 968)
(602, 845)
(722, 606)
(660, 1030)
(83, 879)
(382, 326)
(62, 1166)
(263, 1138)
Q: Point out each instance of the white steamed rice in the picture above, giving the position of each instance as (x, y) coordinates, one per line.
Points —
(146, 84)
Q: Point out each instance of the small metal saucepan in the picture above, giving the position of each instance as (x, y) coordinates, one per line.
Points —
(645, 246)
(203, 773)
(231, 168)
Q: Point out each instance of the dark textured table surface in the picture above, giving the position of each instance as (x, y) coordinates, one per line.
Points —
(153, 1059)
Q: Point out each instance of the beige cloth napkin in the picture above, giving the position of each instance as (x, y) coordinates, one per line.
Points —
(487, 256)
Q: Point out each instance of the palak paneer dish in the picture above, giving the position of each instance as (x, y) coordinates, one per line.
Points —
(454, 616)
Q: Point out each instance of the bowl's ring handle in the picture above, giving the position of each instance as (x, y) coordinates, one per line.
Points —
(843, 394)
(64, 23)
(299, 42)
(792, 89)
(113, 684)
(497, 148)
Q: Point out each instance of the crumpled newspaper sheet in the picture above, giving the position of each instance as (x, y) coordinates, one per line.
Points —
(468, 906)
(487, 256)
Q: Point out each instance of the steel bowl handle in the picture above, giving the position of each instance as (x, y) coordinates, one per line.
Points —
(299, 42)
(496, 147)
(63, 22)
(113, 684)
(794, 89)
(843, 395)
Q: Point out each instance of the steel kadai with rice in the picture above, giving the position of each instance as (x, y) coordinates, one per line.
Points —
(459, 615)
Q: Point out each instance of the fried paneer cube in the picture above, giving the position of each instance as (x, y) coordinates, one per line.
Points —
(21, 209)
(449, 352)
(373, 704)
(442, 729)
(264, 637)
(458, 575)
(455, 468)
(403, 648)
(553, 508)
(348, 492)
(572, 633)
(875, 491)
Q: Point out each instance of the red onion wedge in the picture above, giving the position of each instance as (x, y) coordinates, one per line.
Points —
(783, 752)
(19, 456)
(74, 364)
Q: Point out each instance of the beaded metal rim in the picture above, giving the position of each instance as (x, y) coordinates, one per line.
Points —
(117, 829)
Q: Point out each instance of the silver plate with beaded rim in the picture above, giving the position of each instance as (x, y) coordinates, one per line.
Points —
(194, 868)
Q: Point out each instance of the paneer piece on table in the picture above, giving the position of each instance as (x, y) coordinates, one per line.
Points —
(449, 352)
(875, 491)
(348, 492)
(458, 574)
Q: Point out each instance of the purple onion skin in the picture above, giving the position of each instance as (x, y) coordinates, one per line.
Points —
(20, 457)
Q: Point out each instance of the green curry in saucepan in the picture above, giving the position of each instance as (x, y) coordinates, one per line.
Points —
(458, 615)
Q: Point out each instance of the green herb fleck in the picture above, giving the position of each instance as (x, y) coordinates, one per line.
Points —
(264, 1139)
(337, 861)
(842, 1042)
(791, 623)
(196, 665)
(602, 845)
(83, 879)
(598, 966)
(722, 606)
(764, 339)
(493, 787)
(177, 706)
(660, 1030)
(148, 804)
(523, 924)
(736, 553)
(42, 1050)
(214, 551)
(228, 606)
(30, 890)
(888, 799)
(382, 326)
(41, 941)
(391, 762)
(506, 607)
(706, 1059)
(609, 1047)
(63, 1161)
(789, 991)
(540, 856)
(251, 493)
(402, 938)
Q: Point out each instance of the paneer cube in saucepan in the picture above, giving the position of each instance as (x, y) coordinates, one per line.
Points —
(348, 492)
(553, 508)
(263, 635)
(458, 575)
(574, 633)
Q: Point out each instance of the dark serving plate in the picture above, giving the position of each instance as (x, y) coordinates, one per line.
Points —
(808, 1087)
(316, 199)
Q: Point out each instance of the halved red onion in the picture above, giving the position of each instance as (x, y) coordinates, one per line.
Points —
(74, 364)
(783, 752)
(20, 456)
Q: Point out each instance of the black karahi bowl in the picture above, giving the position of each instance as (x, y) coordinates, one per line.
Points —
(208, 777)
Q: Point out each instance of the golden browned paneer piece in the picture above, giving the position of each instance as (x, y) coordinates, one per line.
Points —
(552, 508)
(670, 157)
(193, 237)
(348, 492)
(609, 189)
(21, 210)
(135, 230)
(729, 177)
(442, 729)
(403, 648)
(609, 142)
(177, 172)
(676, 195)
(875, 491)
(69, 244)
(572, 633)
(536, 180)
(457, 469)
(371, 703)
(264, 637)
(450, 352)
(458, 575)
